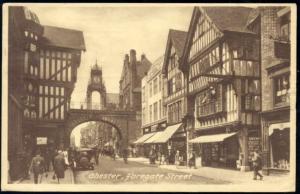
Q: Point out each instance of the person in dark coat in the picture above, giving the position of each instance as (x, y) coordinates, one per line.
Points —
(37, 166)
(59, 165)
(125, 155)
(257, 165)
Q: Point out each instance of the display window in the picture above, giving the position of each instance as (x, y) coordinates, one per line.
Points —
(280, 149)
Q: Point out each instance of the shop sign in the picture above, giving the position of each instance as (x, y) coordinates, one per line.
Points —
(41, 140)
(253, 144)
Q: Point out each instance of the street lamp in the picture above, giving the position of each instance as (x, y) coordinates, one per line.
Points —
(187, 122)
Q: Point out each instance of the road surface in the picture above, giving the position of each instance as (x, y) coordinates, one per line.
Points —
(110, 171)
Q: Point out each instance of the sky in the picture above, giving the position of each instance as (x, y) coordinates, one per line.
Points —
(110, 32)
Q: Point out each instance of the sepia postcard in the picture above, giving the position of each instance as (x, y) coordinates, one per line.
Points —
(148, 97)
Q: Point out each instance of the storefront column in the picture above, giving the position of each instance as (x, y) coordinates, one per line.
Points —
(243, 139)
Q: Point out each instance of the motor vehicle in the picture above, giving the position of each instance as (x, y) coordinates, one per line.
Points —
(82, 159)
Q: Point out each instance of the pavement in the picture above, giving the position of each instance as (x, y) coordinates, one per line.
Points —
(229, 175)
(47, 178)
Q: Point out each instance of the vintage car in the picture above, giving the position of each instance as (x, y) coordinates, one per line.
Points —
(82, 159)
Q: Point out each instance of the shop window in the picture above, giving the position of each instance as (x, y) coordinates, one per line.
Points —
(282, 90)
(280, 149)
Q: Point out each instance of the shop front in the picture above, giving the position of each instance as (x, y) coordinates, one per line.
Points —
(276, 141)
(217, 150)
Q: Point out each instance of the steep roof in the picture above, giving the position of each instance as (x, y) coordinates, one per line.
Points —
(178, 39)
(156, 67)
(229, 18)
(62, 37)
(142, 67)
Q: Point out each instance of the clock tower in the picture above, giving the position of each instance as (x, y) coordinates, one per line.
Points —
(96, 84)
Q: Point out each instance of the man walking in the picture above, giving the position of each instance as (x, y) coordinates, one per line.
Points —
(37, 166)
(257, 165)
(59, 165)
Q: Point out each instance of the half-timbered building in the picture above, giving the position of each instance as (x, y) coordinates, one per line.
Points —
(48, 58)
(221, 61)
(175, 93)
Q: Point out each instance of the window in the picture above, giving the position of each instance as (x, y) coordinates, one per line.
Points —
(155, 86)
(143, 94)
(178, 82)
(26, 62)
(282, 89)
(285, 26)
(150, 89)
(160, 110)
(159, 83)
(155, 112)
(175, 112)
(210, 101)
(150, 113)
(251, 99)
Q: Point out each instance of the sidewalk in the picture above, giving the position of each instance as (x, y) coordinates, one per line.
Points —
(69, 178)
(233, 176)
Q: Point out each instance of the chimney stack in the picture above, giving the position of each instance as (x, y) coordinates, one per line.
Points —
(143, 56)
(126, 58)
(132, 56)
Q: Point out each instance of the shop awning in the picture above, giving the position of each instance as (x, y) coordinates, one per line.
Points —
(279, 126)
(167, 133)
(211, 138)
(143, 138)
(154, 137)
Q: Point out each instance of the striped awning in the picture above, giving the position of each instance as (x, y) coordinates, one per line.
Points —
(167, 133)
(211, 138)
(143, 138)
(154, 137)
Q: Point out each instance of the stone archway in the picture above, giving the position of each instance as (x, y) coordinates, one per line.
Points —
(70, 126)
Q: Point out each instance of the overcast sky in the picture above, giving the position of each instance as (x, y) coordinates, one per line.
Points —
(110, 32)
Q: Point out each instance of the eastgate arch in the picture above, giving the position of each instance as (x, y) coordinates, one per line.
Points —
(122, 121)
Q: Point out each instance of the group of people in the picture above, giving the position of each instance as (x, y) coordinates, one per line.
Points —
(40, 164)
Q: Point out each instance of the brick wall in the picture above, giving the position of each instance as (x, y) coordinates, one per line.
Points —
(268, 30)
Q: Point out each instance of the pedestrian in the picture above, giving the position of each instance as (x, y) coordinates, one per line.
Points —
(125, 155)
(177, 155)
(257, 165)
(113, 153)
(37, 166)
(192, 160)
(134, 152)
(159, 157)
(47, 158)
(96, 153)
(59, 166)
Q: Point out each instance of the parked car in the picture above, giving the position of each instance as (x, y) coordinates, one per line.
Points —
(82, 159)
